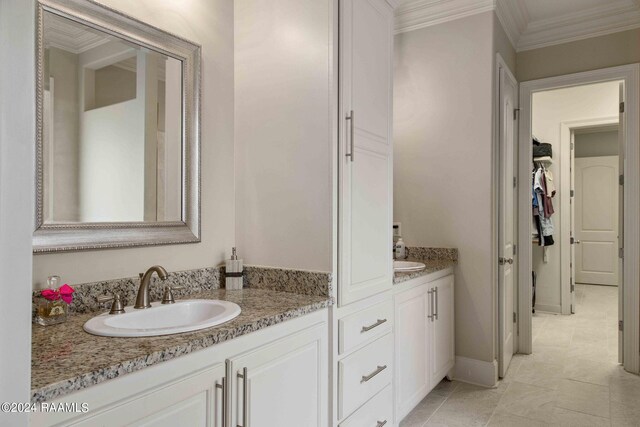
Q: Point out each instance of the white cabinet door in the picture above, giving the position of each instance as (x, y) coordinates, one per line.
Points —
(412, 349)
(193, 401)
(281, 384)
(443, 329)
(366, 42)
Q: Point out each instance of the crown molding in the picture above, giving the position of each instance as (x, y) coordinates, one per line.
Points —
(513, 16)
(611, 18)
(416, 14)
(524, 34)
(69, 36)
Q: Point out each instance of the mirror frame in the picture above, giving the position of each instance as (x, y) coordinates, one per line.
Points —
(51, 238)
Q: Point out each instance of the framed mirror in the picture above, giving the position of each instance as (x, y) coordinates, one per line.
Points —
(118, 131)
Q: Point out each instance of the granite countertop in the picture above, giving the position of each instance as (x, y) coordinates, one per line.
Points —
(433, 266)
(65, 358)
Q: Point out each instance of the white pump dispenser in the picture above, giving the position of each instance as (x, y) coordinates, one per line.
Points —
(400, 250)
(233, 272)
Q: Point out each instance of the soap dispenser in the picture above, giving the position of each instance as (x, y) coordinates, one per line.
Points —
(233, 272)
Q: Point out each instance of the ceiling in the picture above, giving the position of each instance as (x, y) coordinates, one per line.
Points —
(529, 24)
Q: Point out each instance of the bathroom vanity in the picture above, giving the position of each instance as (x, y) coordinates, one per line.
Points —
(266, 367)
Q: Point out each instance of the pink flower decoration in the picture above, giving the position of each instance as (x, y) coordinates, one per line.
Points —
(50, 294)
(65, 292)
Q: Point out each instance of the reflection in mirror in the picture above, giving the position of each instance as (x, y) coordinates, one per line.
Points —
(112, 128)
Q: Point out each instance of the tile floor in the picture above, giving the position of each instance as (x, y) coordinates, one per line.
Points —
(571, 379)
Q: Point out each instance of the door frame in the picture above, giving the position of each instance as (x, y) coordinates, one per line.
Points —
(499, 309)
(567, 128)
(630, 74)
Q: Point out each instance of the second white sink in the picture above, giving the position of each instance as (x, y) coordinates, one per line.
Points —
(182, 316)
(407, 266)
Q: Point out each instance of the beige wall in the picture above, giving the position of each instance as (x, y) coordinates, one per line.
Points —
(113, 85)
(283, 133)
(443, 157)
(584, 55)
(597, 144)
(209, 23)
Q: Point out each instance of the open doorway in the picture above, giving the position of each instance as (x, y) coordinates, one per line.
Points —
(575, 287)
(575, 216)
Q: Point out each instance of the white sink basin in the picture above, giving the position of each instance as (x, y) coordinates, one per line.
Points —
(407, 266)
(183, 316)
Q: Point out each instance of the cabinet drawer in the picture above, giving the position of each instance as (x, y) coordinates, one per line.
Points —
(364, 373)
(365, 325)
(376, 412)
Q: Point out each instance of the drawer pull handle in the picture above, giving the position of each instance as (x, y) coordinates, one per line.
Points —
(245, 398)
(375, 325)
(224, 389)
(366, 378)
(381, 423)
(430, 316)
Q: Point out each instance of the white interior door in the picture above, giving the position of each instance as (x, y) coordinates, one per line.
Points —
(596, 200)
(508, 102)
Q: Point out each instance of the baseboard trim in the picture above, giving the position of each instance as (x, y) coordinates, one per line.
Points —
(477, 372)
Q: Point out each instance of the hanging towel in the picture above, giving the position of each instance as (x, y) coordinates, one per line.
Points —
(548, 205)
(548, 179)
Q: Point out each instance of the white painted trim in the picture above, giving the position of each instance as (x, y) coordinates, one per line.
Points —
(565, 206)
(514, 19)
(523, 33)
(583, 24)
(630, 74)
(477, 372)
(418, 14)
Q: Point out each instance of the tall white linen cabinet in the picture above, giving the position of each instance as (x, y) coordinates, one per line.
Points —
(363, 341)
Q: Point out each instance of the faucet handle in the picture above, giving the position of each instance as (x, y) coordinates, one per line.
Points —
(167, 297)
(117, 307)
(103, 299)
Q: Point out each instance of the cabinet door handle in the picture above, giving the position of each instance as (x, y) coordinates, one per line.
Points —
(223, 387)
(366, 378)
(436, 304)
(381, 423)
(245, 398)
(430, 309)
(351, 134)
(375, 325)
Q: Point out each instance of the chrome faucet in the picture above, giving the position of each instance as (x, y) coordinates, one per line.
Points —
(142, 300)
